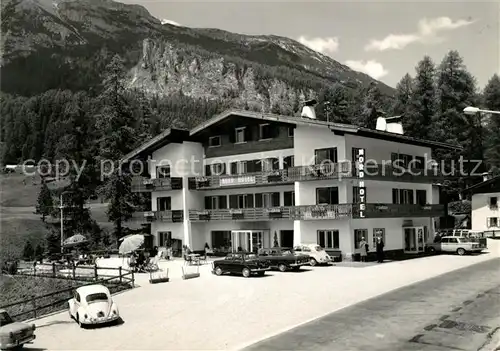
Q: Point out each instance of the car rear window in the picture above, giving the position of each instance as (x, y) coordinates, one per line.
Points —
(4, 319)
(318, 248)
(96, 297)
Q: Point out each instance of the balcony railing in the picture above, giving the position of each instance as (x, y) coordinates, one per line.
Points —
(318, 212)
(396, 211)
(237, 181)
(172, 216)
(346, 169)
(143, 184)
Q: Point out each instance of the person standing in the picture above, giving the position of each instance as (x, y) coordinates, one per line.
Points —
(380, 250)
(363, 249)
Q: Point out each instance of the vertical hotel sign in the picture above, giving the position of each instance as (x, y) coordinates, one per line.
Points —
(361, 187)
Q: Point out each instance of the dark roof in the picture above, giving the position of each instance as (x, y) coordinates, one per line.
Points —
(179, 135)
(476, 187)
(338, 127)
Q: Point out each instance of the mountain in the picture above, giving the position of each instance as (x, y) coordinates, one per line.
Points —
(65, 44)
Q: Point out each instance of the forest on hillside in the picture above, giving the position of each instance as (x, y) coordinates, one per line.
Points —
(110, 123)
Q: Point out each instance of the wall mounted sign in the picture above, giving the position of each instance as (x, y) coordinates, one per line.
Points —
(237, 181)
(361, 177)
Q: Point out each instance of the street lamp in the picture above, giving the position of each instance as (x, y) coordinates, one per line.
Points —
(470, 110)
(61, 207)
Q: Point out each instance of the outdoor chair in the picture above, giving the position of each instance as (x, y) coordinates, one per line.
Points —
(203, 259)
(152, 265)
(188, 260)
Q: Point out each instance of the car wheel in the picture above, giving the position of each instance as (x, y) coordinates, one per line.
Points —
(218, 271)
(79, 321)
(261, 274)
(432, 250)
(461, 251)
(245, 272)
(282, 268)
(313, 262)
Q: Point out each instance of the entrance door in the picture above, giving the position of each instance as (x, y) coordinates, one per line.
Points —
(249, 240)
(286, 238)
(414, 239)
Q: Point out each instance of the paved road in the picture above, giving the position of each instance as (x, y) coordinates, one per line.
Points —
(455, 311)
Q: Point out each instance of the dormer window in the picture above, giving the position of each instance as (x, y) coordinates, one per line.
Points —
(266, 131)
(493, 202)
(240, 135)
(214, 141)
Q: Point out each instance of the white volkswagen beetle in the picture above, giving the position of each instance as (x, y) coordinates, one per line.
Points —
(317, 255)
(92, 304)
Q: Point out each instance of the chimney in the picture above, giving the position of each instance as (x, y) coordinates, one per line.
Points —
(486, 176)
(394, 126)
(308, 109)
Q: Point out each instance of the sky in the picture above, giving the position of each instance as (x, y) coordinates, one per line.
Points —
(383, 39)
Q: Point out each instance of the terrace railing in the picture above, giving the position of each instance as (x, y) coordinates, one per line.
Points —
(143, 184)
(170, 216)
(277, 177)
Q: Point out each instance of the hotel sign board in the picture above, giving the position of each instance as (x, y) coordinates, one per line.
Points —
(231, 181)
(361, 177)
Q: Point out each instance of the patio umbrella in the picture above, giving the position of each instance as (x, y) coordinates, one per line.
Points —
(74, 240)
(131, 243)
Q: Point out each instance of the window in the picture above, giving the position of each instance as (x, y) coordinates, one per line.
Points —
(215, 202)
(492, 222)
(240, 135)
(288, 162)
(493, 202)
(270, 164)
(402, 196)
(265, 131)
(241, 201)
(163, 172)
(214, 141)
(164, 203)
(239, 167)
(376, 233)
(421, 197)
(322, 155)
(356, 197)
(164, 239)
(359, 234)
(266, 200)
(327, 196)
(289, 198)
(401, 160)
(217, 169)
(355, 153)
(290, 132)
(328, 239)
(419, 162)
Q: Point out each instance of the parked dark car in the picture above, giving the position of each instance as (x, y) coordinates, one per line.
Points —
(245, 264)
(283, 258)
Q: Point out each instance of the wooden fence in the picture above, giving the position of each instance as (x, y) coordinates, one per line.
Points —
(37, 306)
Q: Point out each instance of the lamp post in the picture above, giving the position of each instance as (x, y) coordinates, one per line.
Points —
(61, 207)
(470, 110)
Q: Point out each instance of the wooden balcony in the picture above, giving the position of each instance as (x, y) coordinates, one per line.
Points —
(397, 211)
(143, 184)
(317, 212)
(278, 177)
(347, 170)
(172, 216)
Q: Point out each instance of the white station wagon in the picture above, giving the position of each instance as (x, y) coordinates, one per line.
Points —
(317, 255)
(92, 305)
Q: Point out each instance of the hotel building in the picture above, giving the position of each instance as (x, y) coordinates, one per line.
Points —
(244, 179)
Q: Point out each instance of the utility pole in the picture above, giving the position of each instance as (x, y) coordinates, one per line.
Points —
(61, 207)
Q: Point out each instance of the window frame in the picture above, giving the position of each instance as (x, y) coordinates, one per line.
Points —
(159, 201)
(261, 131)
(291, 129)
(160, 174)
(330, 236)
(214, 138)
(355, 236)
(333, 153)
(493, 204)
(375, 234)
(330, 188)
(238, 130)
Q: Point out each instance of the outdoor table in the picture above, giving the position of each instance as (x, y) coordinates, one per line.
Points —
(195, 258)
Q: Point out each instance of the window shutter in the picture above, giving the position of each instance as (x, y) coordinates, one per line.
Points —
(234, 167)
(248, 133)
(249, 201)
(208, 202)
(257, 165)
(208, 170)
(233, 201)
(276, 199)
(258, 200)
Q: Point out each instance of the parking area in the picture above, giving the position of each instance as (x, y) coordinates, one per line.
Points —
(230, 312)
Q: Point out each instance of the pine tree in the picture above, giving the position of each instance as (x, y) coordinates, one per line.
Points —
(39, 251)
(404, 91)
(45, 202)
(118, 137)
(491, 101)
(28, 251)
(53, 241)
(372, 107)
(456, 89)
(423, 100)
(336, 102)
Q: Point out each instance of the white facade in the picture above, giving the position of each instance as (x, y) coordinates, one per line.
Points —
(485, 216)
(187, 159)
